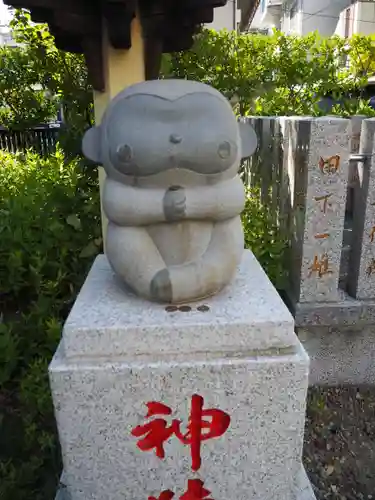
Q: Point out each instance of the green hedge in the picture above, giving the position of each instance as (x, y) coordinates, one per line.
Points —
(49, 236)
(263, 236)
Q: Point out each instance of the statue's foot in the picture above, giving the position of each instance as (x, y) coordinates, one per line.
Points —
(161, 287)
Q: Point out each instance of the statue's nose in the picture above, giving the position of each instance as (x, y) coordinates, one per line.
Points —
(175, 138)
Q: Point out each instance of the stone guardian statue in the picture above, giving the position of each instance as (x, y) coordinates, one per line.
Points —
(171, 150)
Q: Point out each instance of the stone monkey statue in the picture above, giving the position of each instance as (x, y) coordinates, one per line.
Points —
(171, 150)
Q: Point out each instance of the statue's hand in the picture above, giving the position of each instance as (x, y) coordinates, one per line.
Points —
(174, 204)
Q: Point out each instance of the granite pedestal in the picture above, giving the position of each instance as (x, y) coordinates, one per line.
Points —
(238, 351)
(338, 332)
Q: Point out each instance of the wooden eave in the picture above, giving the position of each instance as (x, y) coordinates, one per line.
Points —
(78, 26)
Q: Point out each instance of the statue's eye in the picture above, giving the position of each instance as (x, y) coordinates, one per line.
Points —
(124, 153)
(224, 150)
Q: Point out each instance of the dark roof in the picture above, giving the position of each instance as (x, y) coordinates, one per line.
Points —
(168, 26)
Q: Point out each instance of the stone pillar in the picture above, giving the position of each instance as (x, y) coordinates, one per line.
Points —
(231, 364)
(338, 335)
(122, 69)
(317, 165)
(356, 126)
(361, 279)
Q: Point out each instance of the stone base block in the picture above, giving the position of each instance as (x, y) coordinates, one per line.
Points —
(347, 312)
(107, 321)
(340, 340)
(303, 490)
(228, 379)
(98, 404)
(340, 355)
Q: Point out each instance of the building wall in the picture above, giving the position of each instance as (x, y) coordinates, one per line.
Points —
(305, 16)
(359, 18)
(322, 16)
(257, 20)
(225, 17)
(342, 22)
(267, 15)
(6, 37)
(291, 17)
(365, 19)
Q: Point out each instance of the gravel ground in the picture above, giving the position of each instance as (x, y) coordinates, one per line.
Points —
(339, 452)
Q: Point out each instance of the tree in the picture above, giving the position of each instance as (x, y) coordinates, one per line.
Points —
(36, 79)
(362, 55)
(23, 103)
(274, 75)
(259, 74)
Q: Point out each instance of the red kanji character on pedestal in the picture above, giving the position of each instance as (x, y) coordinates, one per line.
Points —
(164, 495)
(195, 491)
(216, 427)
(157, 431)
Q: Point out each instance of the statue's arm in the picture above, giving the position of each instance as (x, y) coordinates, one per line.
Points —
(216, 202)
(132, 206)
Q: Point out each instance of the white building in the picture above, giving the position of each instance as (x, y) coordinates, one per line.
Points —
(357, 18)
(6, 37)
(227, 17)
(235, 15)
(328, 17)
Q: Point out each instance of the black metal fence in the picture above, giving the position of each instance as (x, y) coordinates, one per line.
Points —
(42, 139)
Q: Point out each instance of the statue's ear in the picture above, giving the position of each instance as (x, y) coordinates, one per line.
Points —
(249, 141)
(91, 144)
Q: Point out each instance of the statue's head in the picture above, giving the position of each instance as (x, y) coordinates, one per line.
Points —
(160, 125)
